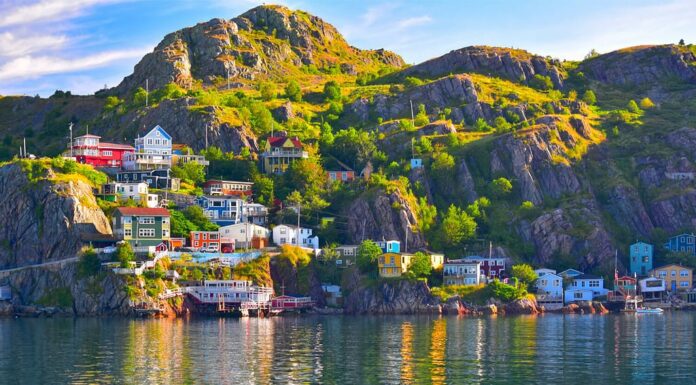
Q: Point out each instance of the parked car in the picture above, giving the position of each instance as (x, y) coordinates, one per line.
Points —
(209, 249)
(185, 249)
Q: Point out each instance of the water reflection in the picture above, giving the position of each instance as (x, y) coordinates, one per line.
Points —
(350, 350)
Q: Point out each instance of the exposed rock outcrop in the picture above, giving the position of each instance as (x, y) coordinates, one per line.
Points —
(512, 64)
(396, 297)
(45, 221)
(642, 66)
(266, 40)
(380, 215)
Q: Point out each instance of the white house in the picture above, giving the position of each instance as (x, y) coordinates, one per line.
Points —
(255, 213)
(243, 234)
(137, 191)
(549, 286)
(585, 287)
(152, 151)
(288, 235)
(652, 289)
(462, 272)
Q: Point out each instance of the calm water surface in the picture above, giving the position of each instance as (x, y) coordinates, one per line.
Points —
(351, 350)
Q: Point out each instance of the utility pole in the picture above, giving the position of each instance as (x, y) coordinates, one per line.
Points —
(413, 120)
(147, 94)
(406, 236)
(71, 142)
(206, 136)
(228, 79)
(25, 147)
(299, 208)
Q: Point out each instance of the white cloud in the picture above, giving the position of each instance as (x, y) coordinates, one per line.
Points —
(12, 45)
(413, 21)
(46, 10)
(28, 67)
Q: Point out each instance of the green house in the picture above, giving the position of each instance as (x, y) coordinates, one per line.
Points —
(142, 227)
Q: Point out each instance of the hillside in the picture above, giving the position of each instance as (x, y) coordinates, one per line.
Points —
(559, 163)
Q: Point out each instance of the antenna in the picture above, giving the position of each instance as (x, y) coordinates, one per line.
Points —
(25, 147)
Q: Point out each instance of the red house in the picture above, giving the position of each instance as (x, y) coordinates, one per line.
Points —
(228, 188)
(490, 267)
(89, 149)
(207, 239)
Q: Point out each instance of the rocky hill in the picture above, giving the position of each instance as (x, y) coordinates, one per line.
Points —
(590, 149)
(267, 41)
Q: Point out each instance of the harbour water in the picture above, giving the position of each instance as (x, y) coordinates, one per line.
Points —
(548, 349)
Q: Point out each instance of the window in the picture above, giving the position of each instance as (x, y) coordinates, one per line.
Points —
(146, 233)
(673, 273)
(127, 233)
(577, 295)
(107, 153)
(684, 284)
(684, 273)
(165, 233)
(149, 141)
(157, 142)
(146, 220)
(594, 283)
(127, 220)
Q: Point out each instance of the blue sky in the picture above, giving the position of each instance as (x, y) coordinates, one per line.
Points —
(82, 45)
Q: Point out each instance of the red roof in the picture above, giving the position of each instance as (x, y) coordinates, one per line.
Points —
(277, 141)
(627, 278)
(116, 146)
(88, 136)
(143, 211)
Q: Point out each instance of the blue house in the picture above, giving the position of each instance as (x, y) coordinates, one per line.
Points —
(152, 151)
(416, 163)
(682, 243)
(222, 210)
(389, 246)
(641, 258)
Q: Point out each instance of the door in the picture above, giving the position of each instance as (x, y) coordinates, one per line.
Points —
(674, 286)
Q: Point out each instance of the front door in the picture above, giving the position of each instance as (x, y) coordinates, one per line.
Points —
(674, 286)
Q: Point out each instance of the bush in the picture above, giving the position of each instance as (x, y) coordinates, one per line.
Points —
(125, 254)
(111, 103)
(482, 126)
(632, 106)
(267, 90)
(501, 125)
(541, 82)
(420, 265)
(501, 187)
(646, 103)
(589, 97)
(367, 256)
(89, 263)
(293, 91)
(421, 118)
(412, 82)
(332, 91)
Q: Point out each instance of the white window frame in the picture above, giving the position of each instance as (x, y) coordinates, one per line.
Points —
(146, 233)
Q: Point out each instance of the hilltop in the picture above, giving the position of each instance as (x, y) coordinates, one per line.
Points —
(559, 163)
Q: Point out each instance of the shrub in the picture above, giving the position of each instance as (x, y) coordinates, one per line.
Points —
(501, 187)
(632, 106)
(367, 255)
(541, 82)
(293, 91)
(589, 97)
(646, 103)
(332, 91)
(125, 254)
(420, 265)
(267, 90)
(482, 126)
(89, 263)
(421, 118)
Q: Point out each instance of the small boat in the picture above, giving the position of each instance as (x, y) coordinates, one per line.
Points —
(645, 310)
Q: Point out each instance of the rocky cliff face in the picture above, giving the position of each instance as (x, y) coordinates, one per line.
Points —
(397, 297)
(380, 215)
(512, 64)
(642, 66)
(45, 221)
(266, 40)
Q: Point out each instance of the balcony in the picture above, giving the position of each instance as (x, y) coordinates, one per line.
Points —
(200, 159)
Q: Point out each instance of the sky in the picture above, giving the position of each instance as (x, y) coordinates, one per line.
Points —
(84, 45)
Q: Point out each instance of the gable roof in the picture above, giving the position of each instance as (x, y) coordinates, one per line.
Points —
(587, 276)
(143, 211)
(279, 141)
(570, 272)
(116, 146)
(672, 265)
(88, 136)
(161, 130)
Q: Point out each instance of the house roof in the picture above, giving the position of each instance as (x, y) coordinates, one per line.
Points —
(225, 181)
(88, 136)
(143, 211)
(116, 146)
(627, 278)
(671, 265)
(158, 128)
(587, 276)
(565, 272)
(278, 141)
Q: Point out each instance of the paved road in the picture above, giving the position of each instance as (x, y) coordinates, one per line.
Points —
(45, 264)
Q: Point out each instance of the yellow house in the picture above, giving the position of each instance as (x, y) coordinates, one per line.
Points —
(393, 264)
(437, 261)
(676, 277)
(280, 152)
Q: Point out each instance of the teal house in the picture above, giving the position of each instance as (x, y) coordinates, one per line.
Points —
(641, 258)
(142, 227)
